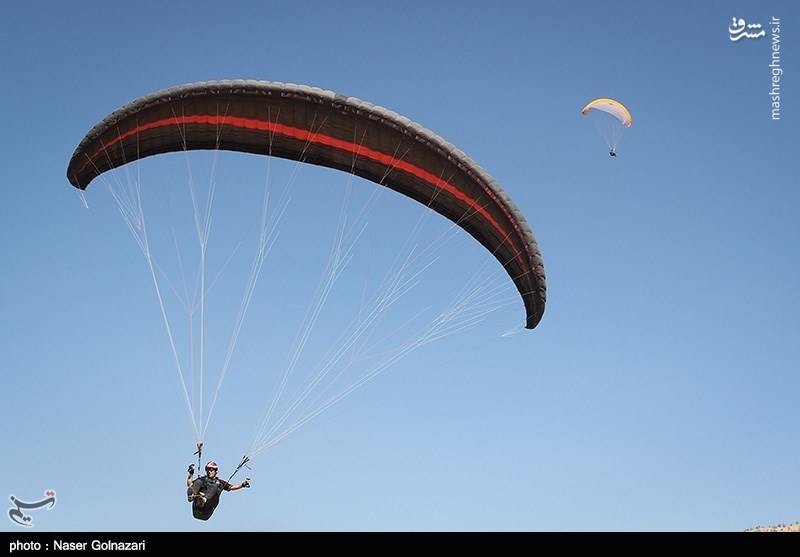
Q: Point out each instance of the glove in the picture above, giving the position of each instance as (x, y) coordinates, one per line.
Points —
(246, 482)
(191, 469)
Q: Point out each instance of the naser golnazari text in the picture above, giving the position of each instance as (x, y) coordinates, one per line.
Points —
(94, 545)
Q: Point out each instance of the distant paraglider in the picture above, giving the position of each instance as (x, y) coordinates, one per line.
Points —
(612, 126)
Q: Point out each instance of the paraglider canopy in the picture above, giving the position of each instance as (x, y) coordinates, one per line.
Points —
(610, 106)
(321, 127)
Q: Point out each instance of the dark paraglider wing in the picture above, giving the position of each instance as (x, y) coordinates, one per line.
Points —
(323, 128)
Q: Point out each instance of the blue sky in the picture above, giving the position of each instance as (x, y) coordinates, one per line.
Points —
(659, 391)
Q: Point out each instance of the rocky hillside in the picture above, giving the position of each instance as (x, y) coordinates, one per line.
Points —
(779, 528)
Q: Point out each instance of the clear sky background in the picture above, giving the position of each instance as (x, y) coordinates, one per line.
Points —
(659, 391)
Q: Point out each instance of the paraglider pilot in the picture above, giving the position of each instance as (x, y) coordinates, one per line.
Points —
(204, 492)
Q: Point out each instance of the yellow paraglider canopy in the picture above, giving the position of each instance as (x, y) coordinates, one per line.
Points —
(610, 106)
